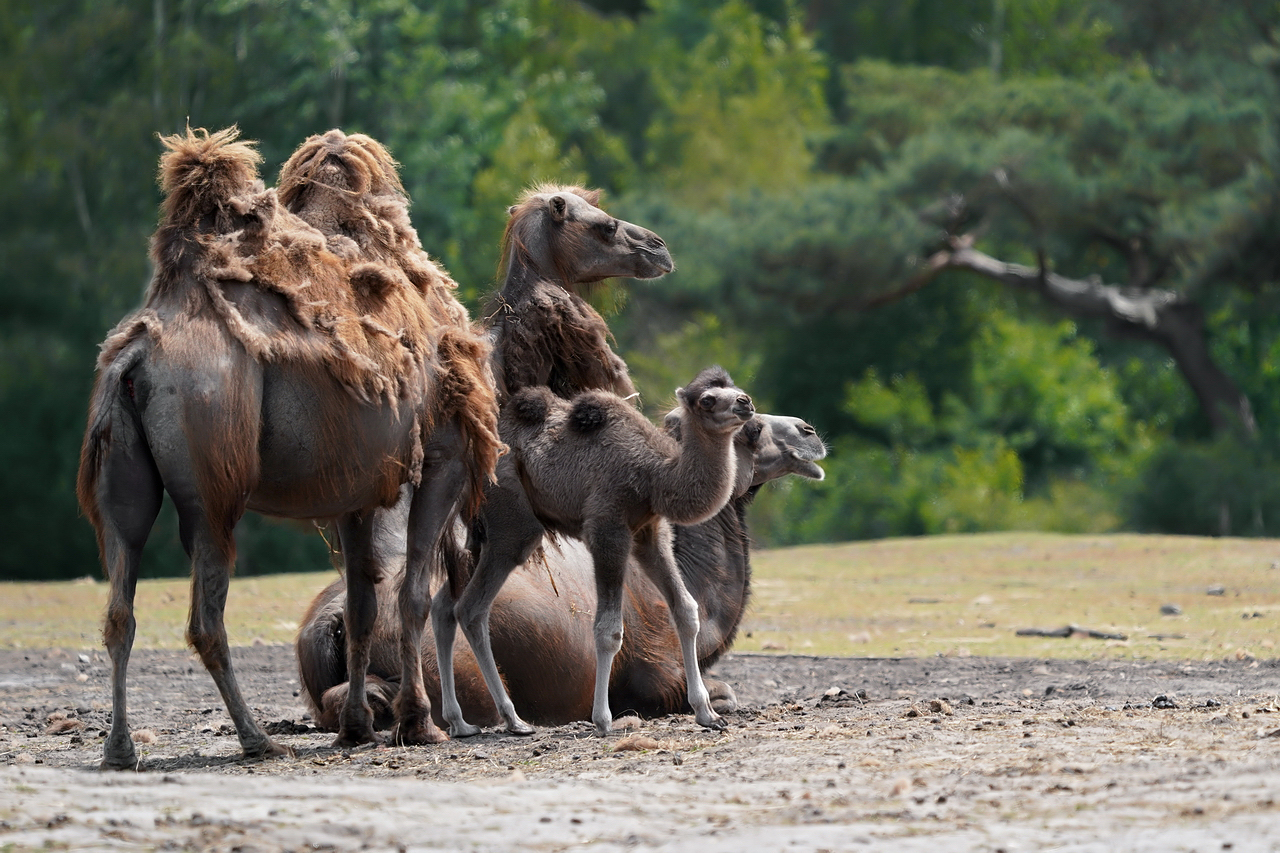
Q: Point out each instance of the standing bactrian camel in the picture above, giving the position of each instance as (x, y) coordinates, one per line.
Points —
(596, 469)
(540, 624)
(294, 371)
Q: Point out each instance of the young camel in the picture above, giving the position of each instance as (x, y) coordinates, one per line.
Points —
(262, 373)
(596, 469)
(541, 620)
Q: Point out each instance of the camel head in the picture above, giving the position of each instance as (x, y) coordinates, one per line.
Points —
(564, 235)
(714, 402)
(787, 446)
(769, 447)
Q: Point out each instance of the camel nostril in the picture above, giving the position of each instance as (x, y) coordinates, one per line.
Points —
(744, 400)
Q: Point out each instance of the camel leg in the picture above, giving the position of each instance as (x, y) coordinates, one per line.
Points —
(610, 544)
(513, 532)
(128, 497)
(207, 633)
(444, 624)
(654, 554)
(432, 510)
(363, 570)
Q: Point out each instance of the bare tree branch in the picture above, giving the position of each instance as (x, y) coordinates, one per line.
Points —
(1161, 316)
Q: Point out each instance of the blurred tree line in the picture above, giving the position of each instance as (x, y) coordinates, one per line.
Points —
(1016, 259)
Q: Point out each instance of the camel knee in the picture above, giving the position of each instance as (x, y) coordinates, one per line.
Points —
(118, 627)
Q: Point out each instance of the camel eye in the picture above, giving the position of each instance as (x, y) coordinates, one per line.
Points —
(608, 229)
(707, 401)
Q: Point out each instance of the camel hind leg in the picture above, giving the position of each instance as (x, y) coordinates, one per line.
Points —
(126, 499)
(655, 556)
(211, 563)
(512, 533)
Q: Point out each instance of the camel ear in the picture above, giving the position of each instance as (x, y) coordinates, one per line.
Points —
(511, 211)
(558, 207)
(672, 424)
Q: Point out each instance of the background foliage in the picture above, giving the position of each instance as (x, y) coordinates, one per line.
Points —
(803, 160)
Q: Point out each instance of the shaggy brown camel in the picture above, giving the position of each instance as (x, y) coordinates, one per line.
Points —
(557, 243)
(280, 369)
(541, 620)
(596, 469)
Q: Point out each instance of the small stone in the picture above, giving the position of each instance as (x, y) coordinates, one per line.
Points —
(1216, 589)
(1170, 610)
(940, 706)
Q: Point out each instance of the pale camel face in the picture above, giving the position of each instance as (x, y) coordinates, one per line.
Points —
(788, 446)
(721, 409)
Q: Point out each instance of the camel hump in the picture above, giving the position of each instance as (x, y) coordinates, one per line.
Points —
(202, 171)
(590, 413)
(531, 405)
(338, 170)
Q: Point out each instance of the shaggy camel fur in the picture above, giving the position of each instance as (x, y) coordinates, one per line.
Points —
(541, 621)
(596, 469)
(267, 372)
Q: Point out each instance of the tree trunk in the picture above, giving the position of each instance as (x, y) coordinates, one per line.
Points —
(1162, 316)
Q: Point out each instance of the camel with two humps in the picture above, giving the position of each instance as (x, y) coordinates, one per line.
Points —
(298, 355)
(541, 622)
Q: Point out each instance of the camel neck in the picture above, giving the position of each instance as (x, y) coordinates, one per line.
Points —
(701, 477)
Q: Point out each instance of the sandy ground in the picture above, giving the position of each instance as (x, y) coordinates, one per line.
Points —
(826, 754)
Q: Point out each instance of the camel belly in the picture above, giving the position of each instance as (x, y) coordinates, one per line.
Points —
(324, 453)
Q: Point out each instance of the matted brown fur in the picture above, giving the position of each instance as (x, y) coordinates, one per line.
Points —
(548, 333)
(378, 315)
(347, 187)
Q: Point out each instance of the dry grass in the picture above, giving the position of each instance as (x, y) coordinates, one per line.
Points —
(951, 595)
(960, 595)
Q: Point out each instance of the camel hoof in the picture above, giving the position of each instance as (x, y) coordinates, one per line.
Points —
(463, 729)
(119, 754)
(270, 749)
(715, 721)
(346, 739)
(408, 734)
(519, 727)
(116, 762)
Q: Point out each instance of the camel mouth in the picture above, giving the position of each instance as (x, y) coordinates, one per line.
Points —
(653, 263)
(808, 468)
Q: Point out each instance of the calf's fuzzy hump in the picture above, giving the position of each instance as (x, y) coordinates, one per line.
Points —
(588, 415)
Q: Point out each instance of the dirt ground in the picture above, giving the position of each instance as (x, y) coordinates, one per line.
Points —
(826, 754)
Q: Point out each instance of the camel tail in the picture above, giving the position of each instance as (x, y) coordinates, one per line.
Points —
(466, 392)
(121, 352)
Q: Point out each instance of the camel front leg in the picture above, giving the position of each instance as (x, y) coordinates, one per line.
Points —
(655, 556)
(610, 546)
(356, 532)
